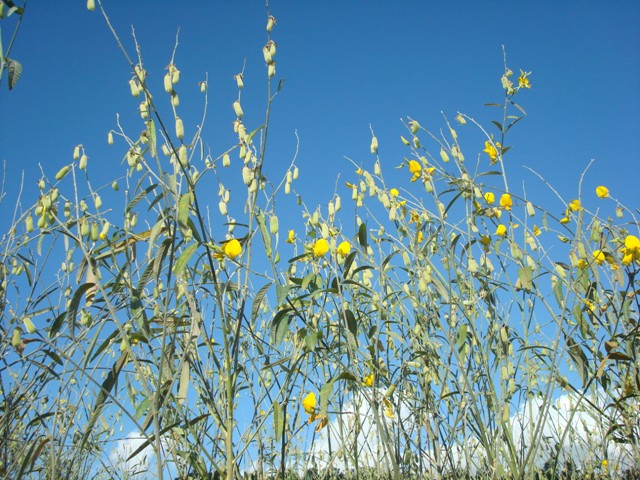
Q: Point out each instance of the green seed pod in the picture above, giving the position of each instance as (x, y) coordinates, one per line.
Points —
(105, 231)
(67, 209)
(183, 157)
(414, 126)
(530, 210)
(444, 156)
(110, 138)
(287, 188)
(168, 85)
(28, 224)
(54, 194)
(115, 186)
(83, 162)
(85, 318)
(97, 201)
(267, 55)
(91, 5)
(273, 225)
(134, 220)
(295, 173)
(175, 74)
(179, 128)
(41, 184)
(16, 338)
(95, 232)
(272, 48)
(76, 152)
(271, 71)
(226, 160)
(144, 110)
(84, 228)
(175, 100)
(62, 172)
(28, 324)
(374, 145)
(203, 87)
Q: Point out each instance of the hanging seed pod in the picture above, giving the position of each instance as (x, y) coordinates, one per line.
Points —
(338, 203)
(97, 201)
(222, 206)
(83, 162)
(377, 170)
(91, 5)
(272, 48)
(95, 233)
(135, 88)
(203, 87)
(271, 21)
(287, 188)
(175, 74)
(444, 155)
(374, 145)
(179, 128)
(134, 220)
(238, 109)
(271, 71)
(42, 221)
(16, 338)
(168, 85)
(115, 186)
(67, 209)
(110, 138)
(28, 224)
(76, 152)
(175, 100)
(267, 55)
(144, 110)
(105, 231)
(41, 184)
(239, 81)
(182, 156)
(273, 225)
(140, 72)
(28, 324)
(295, 173)
(84, 228)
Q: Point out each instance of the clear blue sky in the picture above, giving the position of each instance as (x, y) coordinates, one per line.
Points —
(346, 65)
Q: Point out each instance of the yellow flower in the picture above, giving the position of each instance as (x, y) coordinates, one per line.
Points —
(582, 263)
(489, 197)
(536, 231)
(232, 248)
(344, 248)
(564, 220)
(605, 464)
(388, 409)
(485, 240)
(599, 256)
(501, 231)
(574, 205)
(415, 168)
(368, 380)
(291, 238)
(490, 150)
(631, 250)
(320, 248)
(419, 237)
(523, 80)
(309, 403)
(506, 202)
(394, 192)
(602, 191)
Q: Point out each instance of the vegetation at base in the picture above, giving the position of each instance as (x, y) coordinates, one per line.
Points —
(433, 323)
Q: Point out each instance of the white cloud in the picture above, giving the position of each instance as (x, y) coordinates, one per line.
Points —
(124, 448)
(569, 423)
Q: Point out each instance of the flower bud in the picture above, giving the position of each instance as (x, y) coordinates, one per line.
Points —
(179, 128)
(105, 231)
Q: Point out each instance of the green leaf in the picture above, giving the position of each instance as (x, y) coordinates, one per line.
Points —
(280, 325)
(73, 306)
(14, 69)
(352, 324)
(362, 235)
(278, 421)
(184, 258)
(264, 232)
(524, 275)
(184, 206)
(257, 300)
(139, 197)
(104, 393)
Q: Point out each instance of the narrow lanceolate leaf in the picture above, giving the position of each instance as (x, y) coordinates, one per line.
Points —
(75, 302)
(257, 301)
(105, 391)
(14, 69)
(278, 421)
(184, 259)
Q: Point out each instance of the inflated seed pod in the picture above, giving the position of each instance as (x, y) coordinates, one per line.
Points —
(272, 48)
(175, 74)
(271, 21)
(134, 220)
(16, 338)
(222, 206)
(237, 108)
(28, 224)
(97, 201)
(267, 55)
(62, 172)
(179, 128)
(175, 100)
(83, 162)
(28, 324)
(271, 71)
(168, 85)
(135, 88)
(95, 232)
(226, 160)
(239, 81)
(110, 138)
(182, 156)
(91, 5)
(84, 228)
(76, 152)
(295, 173)
(273, 224)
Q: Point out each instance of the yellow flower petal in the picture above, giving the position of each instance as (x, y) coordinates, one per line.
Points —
(598, 256)
(506, 201)
(232, 248)
(344, 248)
(489, 197)
(574, 205)
(309, 403)
(320, 248)
(291, 238)
(602, 191)
(501, 230)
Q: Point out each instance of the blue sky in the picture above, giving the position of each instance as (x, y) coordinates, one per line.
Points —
(347, 65)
